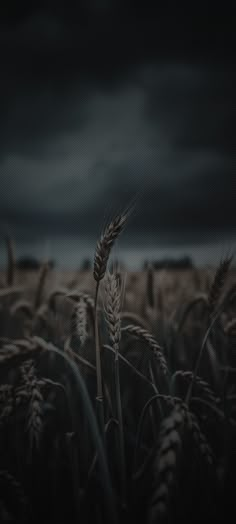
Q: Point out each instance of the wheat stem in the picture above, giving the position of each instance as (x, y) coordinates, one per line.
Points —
(99, 398)
(196, 368)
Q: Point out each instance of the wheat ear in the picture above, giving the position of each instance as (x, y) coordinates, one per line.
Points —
(112, 314)
(164, 467)
(35, 416)
(18, 348)
(81, 321)
(112, 309)
(106, 242)
(200, 383)
(144, 335)
(218, 283)
(102, 252)
(200, 439)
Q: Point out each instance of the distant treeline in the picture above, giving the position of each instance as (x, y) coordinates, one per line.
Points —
(28, 263)
(170, 263)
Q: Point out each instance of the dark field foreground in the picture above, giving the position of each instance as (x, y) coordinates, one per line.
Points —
(122, 410)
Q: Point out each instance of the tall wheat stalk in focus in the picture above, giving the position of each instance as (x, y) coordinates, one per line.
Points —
(102, 253)
(113, 318)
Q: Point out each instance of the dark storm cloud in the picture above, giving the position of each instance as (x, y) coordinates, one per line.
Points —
(98, 103)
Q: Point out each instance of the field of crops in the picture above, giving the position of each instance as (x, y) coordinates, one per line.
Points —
(117, 393)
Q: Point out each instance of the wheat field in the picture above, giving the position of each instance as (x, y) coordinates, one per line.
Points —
(117, 392)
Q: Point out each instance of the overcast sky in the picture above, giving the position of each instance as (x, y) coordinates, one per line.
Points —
(101, 100)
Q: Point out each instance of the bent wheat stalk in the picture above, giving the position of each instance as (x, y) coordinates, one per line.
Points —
(144, 335)
(201, 384)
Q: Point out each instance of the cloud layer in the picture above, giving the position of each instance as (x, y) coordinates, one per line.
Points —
(98, 105)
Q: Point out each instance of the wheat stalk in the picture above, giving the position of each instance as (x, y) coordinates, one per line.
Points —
(169, 400)
(202, 384)
(199, 355)
(112, 309)
(78, 296)
(81, 321)
(6, 402)
(35, 414)
(112, 313)
(81, 295)
(102, 252)
(134, 317)
(42, 315)
(10, 261)
(40, 285)
(106, 242)
(20, 498)
(60, 292)
(164, 466)
(75, 356)
(200, 439)
(150, 286)
(18, 348)
(218, 283)
(22, 306)
(200, 298)
(75, 296)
